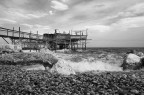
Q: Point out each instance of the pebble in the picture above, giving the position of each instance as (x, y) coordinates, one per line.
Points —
(134, 91)
(134, 76)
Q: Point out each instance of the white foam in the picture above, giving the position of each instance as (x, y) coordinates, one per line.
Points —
(69, 67)
(63, 67)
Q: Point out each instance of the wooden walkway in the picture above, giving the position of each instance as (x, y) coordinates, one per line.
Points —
(14, 34)
(30, 40)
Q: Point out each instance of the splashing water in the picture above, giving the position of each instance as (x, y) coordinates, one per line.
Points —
(67, 67)
(86, 66)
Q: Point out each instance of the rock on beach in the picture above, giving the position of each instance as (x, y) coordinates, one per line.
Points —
(63, 68)
(131, 62)
(9, 48)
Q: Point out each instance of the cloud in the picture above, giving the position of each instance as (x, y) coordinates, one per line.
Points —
(51, 12)
(16, 13)
(64, 1)
(123, 24)
(36, 27)
(19, 14)
(27, 25)
(91, 10)
(13, 3)
(131, 22)
(19, 2)
(81, 13)
(36, 15)
(41, 26)
(99, 28)
(58, 5)
(4, 20)
(136, 10)
(131, 17)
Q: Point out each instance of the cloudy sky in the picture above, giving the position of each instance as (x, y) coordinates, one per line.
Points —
(110, 23)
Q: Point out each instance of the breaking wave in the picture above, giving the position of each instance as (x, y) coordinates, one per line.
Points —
(68, 67)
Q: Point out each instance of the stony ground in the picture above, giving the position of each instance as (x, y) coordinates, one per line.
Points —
(14, 81)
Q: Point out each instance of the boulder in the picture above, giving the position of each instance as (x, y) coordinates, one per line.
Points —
(62, 67)
(9, 48)
(47, 59)
(140, 54)
(131, 62)
(45, 50)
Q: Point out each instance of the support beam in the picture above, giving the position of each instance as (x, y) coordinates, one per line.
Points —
(13, 32)
(13, 41)
(5, 40)
(86, 39)
(80, 40)
(74, 41)
(30, 40)
(37, 42)
(85, 44)
(7, 32)
(70, 40)
(56, 45)
(19, 36)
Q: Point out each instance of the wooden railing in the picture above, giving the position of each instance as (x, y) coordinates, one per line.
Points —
(11, 33)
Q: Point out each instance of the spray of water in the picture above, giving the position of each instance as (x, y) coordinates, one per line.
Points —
(67, 67)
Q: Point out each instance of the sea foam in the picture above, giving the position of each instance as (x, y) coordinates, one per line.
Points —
(68, 67)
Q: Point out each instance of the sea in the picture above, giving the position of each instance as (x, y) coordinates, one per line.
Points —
(94, 59)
